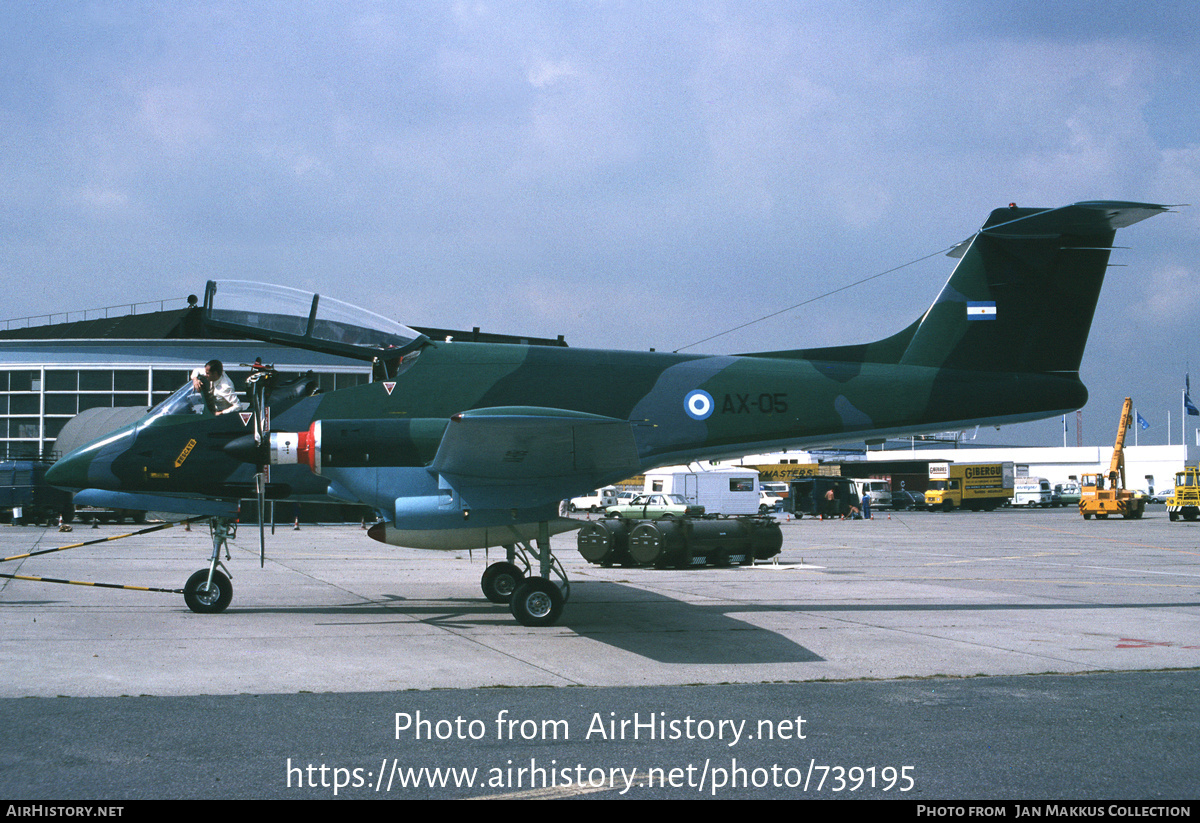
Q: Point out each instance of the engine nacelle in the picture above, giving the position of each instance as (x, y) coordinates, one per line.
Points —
(359, 443)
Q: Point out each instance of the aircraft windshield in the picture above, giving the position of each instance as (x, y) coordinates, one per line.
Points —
(294, 317)
(185, 400)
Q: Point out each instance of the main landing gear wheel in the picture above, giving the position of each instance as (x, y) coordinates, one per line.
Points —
(204, 599)
(537, 602)
(500, 580)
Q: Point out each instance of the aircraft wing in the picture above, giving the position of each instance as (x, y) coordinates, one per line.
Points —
(525, 445)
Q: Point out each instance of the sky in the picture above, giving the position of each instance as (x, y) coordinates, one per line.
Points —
(627, 174)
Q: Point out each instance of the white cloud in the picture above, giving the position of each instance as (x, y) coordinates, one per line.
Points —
(1170, 296)
(548, 73)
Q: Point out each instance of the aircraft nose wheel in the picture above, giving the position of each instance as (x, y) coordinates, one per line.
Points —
(500, 580)
(537, 602)
(205, 599)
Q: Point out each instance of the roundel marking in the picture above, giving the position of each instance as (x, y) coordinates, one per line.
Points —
(698, 404)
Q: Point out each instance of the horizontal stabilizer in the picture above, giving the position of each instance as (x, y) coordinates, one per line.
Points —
(1087, 218)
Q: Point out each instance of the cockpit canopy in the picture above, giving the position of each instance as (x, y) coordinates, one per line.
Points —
(291, 317)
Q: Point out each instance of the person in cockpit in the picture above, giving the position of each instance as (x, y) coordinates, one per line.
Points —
(214, 385)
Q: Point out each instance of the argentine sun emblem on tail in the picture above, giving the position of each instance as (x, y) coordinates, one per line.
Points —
(981, 311)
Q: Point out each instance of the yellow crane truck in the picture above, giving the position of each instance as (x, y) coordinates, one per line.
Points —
(1105, 494)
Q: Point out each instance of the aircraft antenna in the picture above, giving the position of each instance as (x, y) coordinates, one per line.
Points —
(946, 250)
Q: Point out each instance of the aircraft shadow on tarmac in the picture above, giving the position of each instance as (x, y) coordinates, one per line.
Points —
(662, 628)
(635, 620)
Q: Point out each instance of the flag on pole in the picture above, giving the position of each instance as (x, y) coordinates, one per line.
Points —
(1141, 421)
(1187, 396)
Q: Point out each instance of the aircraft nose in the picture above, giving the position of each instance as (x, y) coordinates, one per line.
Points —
(69, 472)
(91, 466)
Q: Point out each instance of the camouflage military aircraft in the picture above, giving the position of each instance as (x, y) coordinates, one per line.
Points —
(469, 445)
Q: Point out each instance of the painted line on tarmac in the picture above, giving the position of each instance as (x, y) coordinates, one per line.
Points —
(1109, 539)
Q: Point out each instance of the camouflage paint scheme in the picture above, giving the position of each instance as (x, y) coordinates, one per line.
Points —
(469, 441)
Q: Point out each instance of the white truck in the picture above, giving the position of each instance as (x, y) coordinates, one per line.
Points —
(720, 491)
(597, 501)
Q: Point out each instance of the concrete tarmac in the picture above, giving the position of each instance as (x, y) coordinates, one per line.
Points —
(911, 595)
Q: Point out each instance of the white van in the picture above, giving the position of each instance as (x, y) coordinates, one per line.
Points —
(880, 491)
(1032, 491)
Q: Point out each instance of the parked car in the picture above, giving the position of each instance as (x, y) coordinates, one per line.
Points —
(1068, 493)
(655, 507)
(768, 502)
(907, 501)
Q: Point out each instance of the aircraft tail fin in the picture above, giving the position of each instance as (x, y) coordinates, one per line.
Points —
(1021, 298)
(1025, 289)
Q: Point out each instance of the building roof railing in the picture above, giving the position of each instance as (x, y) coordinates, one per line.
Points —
(102, 313)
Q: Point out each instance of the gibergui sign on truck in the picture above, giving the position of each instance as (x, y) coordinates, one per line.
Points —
(975, 486)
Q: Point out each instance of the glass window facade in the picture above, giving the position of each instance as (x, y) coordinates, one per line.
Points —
(35, 404)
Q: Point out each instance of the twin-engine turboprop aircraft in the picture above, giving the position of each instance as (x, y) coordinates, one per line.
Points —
(470, 445)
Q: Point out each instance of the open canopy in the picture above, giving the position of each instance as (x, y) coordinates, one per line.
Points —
(291, 317)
